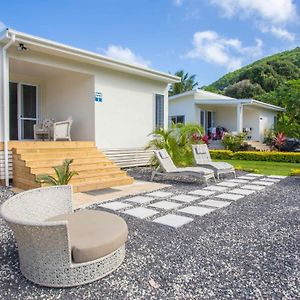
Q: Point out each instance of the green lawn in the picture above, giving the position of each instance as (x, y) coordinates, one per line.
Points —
(264, 167)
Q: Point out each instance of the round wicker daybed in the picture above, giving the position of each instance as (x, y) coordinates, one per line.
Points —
(61, 248)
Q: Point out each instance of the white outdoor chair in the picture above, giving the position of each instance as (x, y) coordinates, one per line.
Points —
(43, 130)
(59, 247)
(62, 130)
(167, 167)
(202, 158)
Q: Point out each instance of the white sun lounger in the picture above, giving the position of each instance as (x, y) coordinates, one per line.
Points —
(203, 159)
(167, 167)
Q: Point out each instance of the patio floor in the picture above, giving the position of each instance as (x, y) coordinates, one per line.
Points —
(246, 248)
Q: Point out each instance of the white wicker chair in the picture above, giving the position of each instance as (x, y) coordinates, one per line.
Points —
(43, 130)
(62, 130)
(44, 246)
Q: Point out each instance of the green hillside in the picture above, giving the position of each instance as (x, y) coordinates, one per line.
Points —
(268, 72)
(274, 79)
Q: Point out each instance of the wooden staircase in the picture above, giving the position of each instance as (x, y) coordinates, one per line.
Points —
(259, 146)
(95, 170)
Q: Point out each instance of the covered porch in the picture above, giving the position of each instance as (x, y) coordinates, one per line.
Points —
(38, 92)
(235, 117)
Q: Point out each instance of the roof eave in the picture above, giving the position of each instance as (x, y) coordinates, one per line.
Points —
(90, 56)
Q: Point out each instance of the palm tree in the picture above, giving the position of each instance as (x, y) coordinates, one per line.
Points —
(187, 83)
(177, 140)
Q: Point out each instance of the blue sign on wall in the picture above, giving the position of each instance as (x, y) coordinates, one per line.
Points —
(98, 97)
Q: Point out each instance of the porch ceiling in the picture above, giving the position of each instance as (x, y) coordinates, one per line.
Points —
(35, 70)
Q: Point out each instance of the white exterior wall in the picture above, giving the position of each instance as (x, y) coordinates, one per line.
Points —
(251, 120)
(72, 95)
(266, 121)
(184, 107)
(124, 119)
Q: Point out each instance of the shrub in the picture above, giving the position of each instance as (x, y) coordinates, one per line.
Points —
(291, 157)
(221, 154)
(295, 172)
(268, 156)
(233, 142)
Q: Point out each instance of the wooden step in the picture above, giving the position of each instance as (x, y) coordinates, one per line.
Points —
(58, 162)
(50, 144)
(56, 150)
(73, 167)
(101, 184)
(95, 169)
(58, 155)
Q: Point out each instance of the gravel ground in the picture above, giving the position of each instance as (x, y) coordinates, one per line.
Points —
(248, 250)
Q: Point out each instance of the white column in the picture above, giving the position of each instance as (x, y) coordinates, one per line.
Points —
(239, 118)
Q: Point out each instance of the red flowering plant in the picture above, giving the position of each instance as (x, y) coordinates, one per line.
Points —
(280, 140)
(204, 139)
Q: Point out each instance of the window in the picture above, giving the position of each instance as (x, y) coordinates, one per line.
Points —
(275, 121)
(177, 119)
(159, 111)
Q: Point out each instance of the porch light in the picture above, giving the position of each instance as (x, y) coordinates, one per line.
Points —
(22, 47)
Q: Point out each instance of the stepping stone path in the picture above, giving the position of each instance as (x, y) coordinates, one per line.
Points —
(117, 205)
(215, 203)
(185, 198)
(232, 197)
(241, 191)
(154, 206)
(216, 188)
(252, 187)
(239, 180)
(196, 210)
(246, 177)
(141, 212)
(173, 220)
(140, 199)
(254, 175)
(260, 182)
(270, 179)
(202, 193)
(167, 205)
(228, 184)
(160, 194)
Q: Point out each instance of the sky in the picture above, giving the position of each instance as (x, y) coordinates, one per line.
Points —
(208, 38)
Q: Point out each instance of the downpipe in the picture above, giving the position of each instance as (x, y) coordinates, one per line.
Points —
(5, 106)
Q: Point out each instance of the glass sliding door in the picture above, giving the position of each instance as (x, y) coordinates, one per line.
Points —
(23, 110)
(28, 111)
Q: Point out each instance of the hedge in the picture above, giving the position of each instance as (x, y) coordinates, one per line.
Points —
(291, 157)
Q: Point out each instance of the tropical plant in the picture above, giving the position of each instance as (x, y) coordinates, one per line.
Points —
(187, 83)
(280, 140)
(63, 174)
(177, 140)
(233, 142)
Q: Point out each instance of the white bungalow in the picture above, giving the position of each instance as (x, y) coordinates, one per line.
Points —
(113, 104)
(213, 110)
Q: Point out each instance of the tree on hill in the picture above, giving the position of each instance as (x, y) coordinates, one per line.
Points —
(187, 83)
(244, 89)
